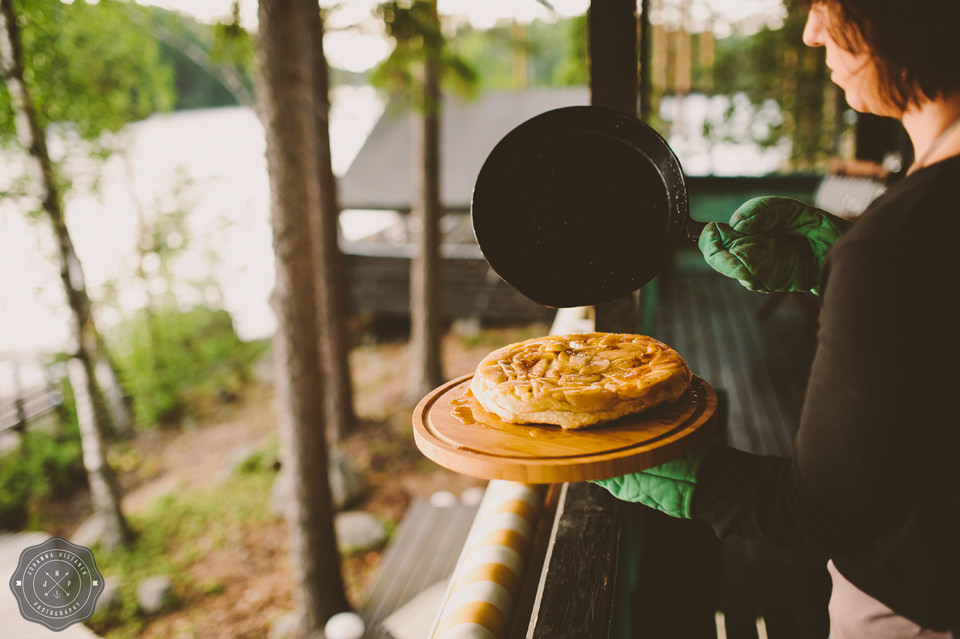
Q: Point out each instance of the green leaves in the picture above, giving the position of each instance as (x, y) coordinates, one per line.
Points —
(417, 35)
(175, 363)
(45, 466)
(88, 66)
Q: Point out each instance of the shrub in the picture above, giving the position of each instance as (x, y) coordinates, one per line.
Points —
(45, 466)
(14, 492)
(173, 362)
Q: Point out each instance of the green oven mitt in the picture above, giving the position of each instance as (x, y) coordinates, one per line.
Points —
(773, 244)
(667, 487)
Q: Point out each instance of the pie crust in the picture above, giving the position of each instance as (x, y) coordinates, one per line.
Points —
(579, 380)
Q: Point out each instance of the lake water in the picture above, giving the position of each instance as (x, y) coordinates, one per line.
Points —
(222, 152)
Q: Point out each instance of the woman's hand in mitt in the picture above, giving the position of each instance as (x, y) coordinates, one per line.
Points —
(773, 244)
(668, 487)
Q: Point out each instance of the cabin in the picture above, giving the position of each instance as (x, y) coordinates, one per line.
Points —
(378, 261)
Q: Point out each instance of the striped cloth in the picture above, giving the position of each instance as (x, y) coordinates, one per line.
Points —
(486, 581)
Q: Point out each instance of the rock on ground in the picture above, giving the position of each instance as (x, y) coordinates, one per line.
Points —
(358, 531)
(154, 594)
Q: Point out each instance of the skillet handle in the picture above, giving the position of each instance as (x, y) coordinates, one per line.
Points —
(692, 229)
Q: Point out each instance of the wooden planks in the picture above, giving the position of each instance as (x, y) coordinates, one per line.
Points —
(762, 364)
(575, 596)
(380, 284)
(422, 553)
(758, 358)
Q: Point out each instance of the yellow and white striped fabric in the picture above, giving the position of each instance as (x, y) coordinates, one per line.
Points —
(486, 581)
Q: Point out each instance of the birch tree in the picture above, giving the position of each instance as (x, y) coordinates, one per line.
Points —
(60, 47)
(44, 50)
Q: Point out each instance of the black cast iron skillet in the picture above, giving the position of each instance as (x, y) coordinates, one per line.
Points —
(579, 206)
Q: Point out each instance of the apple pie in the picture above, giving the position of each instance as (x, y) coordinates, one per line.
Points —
(579, 380)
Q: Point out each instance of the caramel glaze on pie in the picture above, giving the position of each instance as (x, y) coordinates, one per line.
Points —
(579, 380)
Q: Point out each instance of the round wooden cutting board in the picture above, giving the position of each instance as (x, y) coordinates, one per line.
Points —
(453, 430)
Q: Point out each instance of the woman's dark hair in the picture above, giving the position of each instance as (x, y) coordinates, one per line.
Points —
(915, 43)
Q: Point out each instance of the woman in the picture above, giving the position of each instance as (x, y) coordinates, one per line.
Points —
(872, 481)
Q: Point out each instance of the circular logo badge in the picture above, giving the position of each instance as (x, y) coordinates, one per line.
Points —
(57, 583)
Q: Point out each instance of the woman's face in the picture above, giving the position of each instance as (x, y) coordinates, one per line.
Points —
(854, 72)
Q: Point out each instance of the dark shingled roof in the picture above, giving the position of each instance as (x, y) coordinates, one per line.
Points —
(381, 175)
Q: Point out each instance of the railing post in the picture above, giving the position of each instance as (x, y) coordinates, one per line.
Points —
(612, 41)
(19, 405)
(55, 395)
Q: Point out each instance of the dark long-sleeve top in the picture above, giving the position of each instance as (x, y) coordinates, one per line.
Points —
(874, 482)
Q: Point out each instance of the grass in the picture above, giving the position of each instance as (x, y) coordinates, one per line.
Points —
(172, 534)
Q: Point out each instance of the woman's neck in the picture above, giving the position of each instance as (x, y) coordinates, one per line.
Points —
(932, 130)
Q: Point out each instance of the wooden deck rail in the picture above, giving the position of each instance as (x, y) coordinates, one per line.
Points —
(27, 407)
(23, 404)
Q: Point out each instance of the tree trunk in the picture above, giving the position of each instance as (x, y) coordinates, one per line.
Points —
(113, 394)
(104, 490)
(286, 109)
(426, 275)
(645, 81)
(87, 345)
(331, 265)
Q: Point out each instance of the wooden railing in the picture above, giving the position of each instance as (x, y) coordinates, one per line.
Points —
(29, 406)
(22, 405)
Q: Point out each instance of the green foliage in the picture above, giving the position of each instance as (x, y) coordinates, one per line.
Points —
(263, 459)
(163, 239)
(88, 71)
(202, 57)
(45, 466)
(572, 69)
(89, 66)
(175, 363)
(416, 33)
(14, 491)
(232, 43)
(551, 54)
(773, 65)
